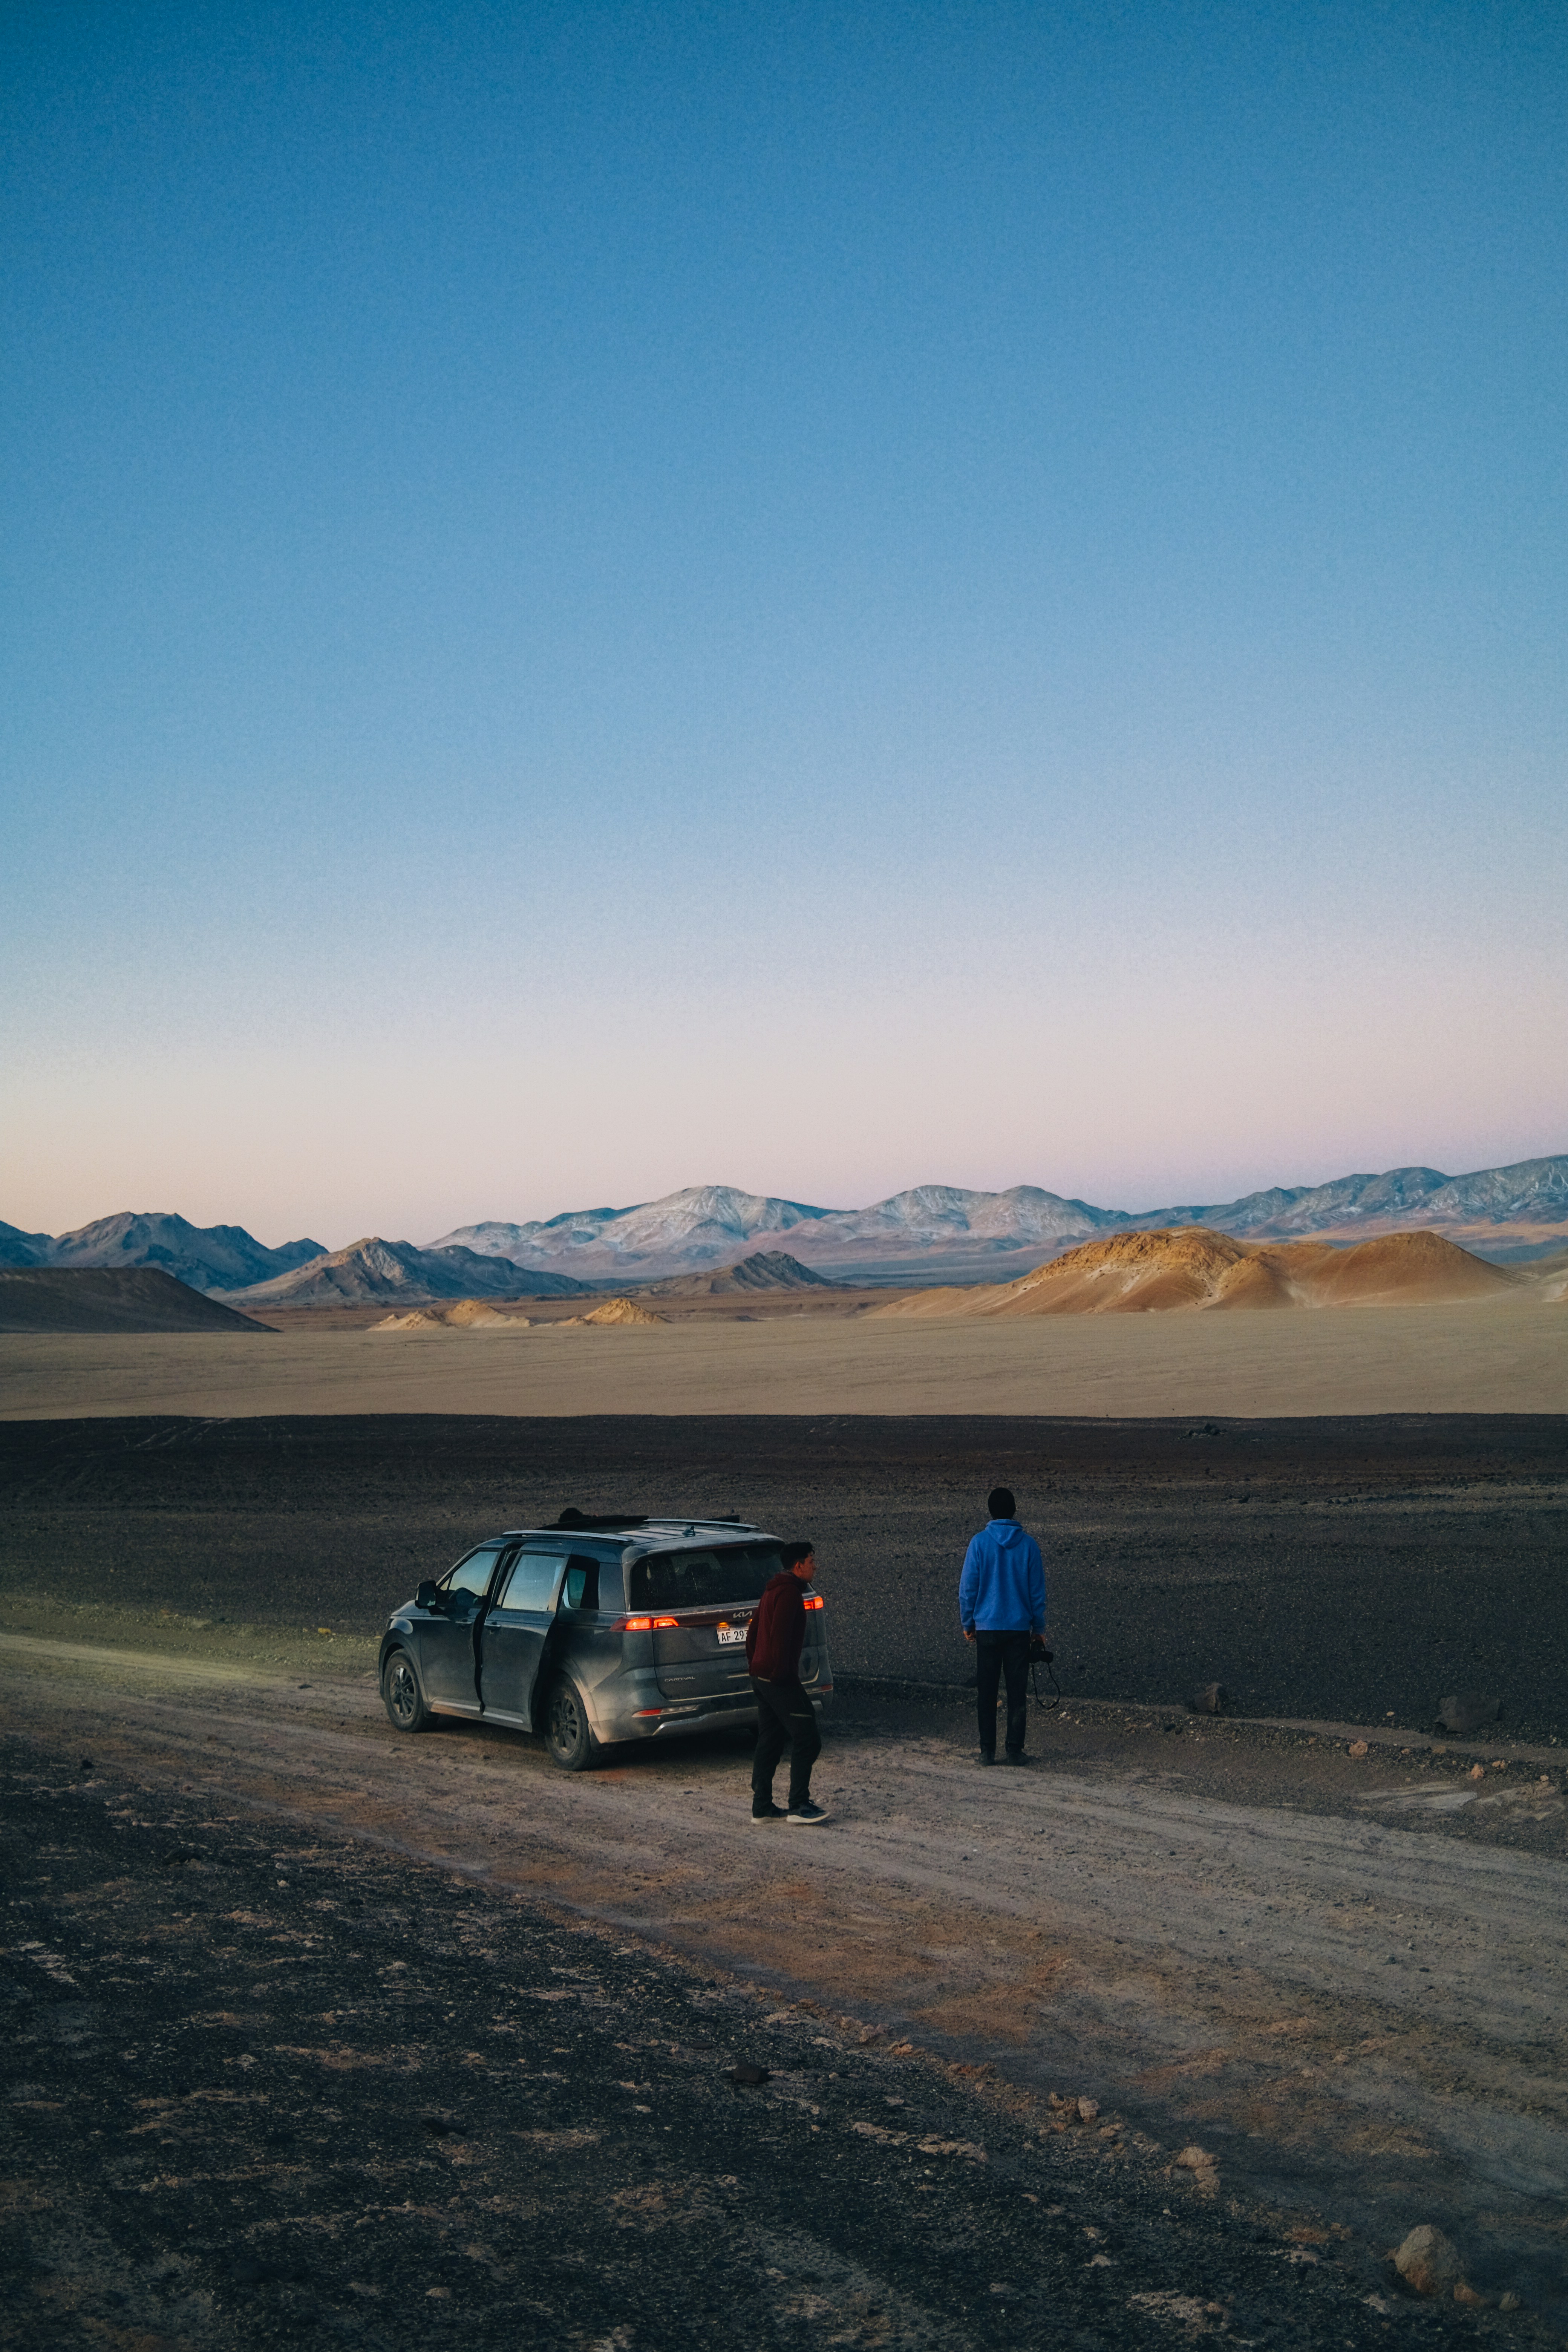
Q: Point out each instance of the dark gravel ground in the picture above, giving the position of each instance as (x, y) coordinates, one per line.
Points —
(264, 2092)
(1345, 1569)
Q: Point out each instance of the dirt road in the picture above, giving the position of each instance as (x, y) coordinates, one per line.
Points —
(1329, 1973)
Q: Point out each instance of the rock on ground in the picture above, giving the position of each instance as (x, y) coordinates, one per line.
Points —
(1429, 2262)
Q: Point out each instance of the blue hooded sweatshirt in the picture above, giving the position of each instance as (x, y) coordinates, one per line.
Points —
(1002, 1588)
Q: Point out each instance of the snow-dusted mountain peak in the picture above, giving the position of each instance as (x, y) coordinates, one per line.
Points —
(949, 1232)
(700, 1225)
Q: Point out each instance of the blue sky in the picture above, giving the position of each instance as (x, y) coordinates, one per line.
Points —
(822, 598)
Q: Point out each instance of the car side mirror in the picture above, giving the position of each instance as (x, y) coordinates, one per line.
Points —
(429, 1594)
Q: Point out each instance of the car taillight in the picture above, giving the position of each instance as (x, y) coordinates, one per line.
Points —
(644, 1624)
(814, 1601)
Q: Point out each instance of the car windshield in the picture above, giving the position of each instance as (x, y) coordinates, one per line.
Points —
(701, 1580)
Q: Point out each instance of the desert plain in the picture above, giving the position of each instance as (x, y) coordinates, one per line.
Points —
(319, 2032)
(1509, 1355)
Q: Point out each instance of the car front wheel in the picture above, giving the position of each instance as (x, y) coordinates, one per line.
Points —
(404, 1698)
(566, 1734)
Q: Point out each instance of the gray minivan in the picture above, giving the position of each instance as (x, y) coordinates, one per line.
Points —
(601, 1629)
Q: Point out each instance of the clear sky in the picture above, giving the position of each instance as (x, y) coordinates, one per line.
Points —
(818, 597)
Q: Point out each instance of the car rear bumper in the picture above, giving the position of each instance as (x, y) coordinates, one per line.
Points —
(648, 1722)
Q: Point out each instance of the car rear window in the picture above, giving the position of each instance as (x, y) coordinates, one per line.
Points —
(701, 1580)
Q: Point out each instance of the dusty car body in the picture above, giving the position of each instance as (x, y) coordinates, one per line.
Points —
(594, 1633)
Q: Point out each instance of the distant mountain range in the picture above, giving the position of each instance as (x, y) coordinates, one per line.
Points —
(936, 1232)
(939, 1232)
(206, 1257)
(373, 1272)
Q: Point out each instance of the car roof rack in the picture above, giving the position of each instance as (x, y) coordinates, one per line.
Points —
(660, 1523)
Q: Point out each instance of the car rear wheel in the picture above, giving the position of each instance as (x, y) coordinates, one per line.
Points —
(566, 1734)
(404, 1698)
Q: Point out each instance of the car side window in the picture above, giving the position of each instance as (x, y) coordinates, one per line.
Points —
(581, 1589)
(532, 1584)
(468, 1583)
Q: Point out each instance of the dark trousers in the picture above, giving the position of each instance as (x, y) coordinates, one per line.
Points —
(999, 1655)
(786, 1718)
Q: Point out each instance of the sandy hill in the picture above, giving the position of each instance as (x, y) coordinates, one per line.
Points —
(109, 1298)
(767, 1270)
(467, 1315)
(614, 1310)
(372, 1270)
(1189, 1267)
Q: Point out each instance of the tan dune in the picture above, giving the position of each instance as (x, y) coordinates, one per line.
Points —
(1420, 1267)
(1151, 1274)
(1177, 1266)
(467, 1315)
(614, 1310)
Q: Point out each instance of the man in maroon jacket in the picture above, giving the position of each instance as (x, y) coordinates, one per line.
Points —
(784, 1713)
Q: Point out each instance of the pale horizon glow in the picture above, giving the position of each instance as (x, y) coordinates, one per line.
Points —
(601, 599)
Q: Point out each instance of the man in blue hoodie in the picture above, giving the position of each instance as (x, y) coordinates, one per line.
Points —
(1001, 1601)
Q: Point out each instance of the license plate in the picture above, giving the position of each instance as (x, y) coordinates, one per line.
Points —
(731, 1637)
